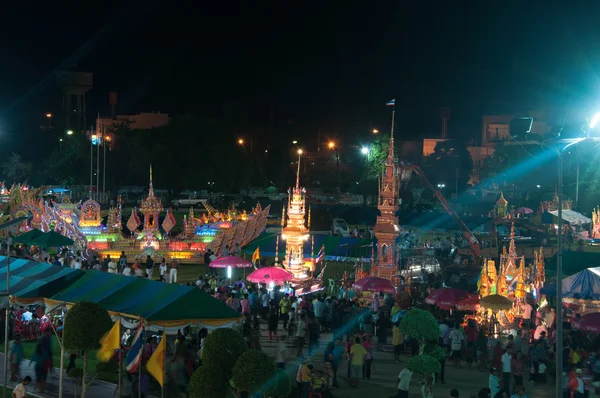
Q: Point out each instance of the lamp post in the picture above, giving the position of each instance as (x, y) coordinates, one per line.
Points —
(332, 145)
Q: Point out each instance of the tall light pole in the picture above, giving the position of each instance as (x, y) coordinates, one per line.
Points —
(332, 145)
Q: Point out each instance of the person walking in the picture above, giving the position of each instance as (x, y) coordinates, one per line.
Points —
(404, 378)
(173, 272)
(273, 320)
(506, 370)
(300, 335)
(149, 267)
(285, 304)
(368, 345)
(357, 361)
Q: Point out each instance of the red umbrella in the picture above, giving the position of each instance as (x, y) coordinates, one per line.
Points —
(374, 284)
(446, 297)
(471, 303)
(230, 261)
(587, 323)
(270, 274)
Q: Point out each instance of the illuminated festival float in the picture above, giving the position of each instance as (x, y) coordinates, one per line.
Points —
(504, 291)
(295, 233)
(82, 222)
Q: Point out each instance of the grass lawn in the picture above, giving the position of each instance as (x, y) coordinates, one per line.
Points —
(190, 273)
(29, 349)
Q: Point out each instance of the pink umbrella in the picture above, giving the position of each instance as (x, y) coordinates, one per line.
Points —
(446, 298)
(524, 210)
(269, 274)
(230, 261)
(587, 323)
(374, 284)
(471, 303)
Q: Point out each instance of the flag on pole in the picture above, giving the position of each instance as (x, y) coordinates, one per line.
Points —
(255, 255)
(110, 342)
(320, 255)
(134, 356)
(391, 102)
(156, 364)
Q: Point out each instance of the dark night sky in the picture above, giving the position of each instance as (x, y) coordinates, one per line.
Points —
(329, 66)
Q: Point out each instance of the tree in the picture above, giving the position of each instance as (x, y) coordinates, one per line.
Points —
(222, 348)
(84, 326)
(377, 156)
(252, 370)
(280, 385)
(208, 382)
(448, 159)
(15, 169)
(421, 326)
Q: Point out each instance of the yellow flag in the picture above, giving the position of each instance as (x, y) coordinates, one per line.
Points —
(110, 342)
(255, 255)
(156, 364)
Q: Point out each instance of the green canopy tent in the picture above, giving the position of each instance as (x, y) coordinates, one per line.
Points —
(52, 239)
(159, 304)
(28, 237)
(30, 281)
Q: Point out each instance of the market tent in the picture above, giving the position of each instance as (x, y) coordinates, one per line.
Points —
(572, 217)
(31, 281)
(574, 261)
(583, 285)
(27, 237)
(159, 303)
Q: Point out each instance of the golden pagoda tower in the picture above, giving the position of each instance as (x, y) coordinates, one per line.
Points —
(151, 208)
(295, 232)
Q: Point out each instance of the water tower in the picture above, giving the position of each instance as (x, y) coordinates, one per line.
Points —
(74, 85)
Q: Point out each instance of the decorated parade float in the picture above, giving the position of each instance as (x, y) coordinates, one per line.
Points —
(145, 236)
(295, 231)
(503, 291)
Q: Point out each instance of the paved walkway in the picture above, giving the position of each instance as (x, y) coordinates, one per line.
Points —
(385, 371)
(98, 388)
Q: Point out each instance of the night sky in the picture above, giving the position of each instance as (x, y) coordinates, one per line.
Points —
(328, 66)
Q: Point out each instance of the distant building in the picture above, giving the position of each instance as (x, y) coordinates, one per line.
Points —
(141, 121)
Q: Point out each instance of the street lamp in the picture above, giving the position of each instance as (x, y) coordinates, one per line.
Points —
(331, 145)
(441, 186)
(69, 132)
(364, 150)
(294, 142)
(241, 141)
(300, 151)
(375, 131)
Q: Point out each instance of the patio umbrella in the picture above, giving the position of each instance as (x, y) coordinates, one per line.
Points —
(587, 323)
(27, 237)
(446, 298)
(471, 303)
(524, 210)
(230, 261)
(52, 239)
(496, 302)
(374, 284)
(269, 274)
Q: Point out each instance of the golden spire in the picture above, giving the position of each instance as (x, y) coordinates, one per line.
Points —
(151, 189)
(298, 172)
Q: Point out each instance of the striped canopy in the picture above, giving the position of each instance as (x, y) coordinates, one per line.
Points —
(31, 281)
(159, 303)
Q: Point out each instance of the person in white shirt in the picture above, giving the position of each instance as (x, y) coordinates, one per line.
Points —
(127, 270)
(173, 272)
(112, 267)
(404, 383)
(20, 390)
(77, 263)
(456, 339)
(506, 370)
(125, 337)
(163, 270)
(493, 382)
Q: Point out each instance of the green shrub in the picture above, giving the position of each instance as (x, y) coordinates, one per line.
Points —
(85, 324)
(222, 348)
(252, 371)
(423, 364)
(208, 382)
(279, 385)
(435, 351)
(421, 325)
